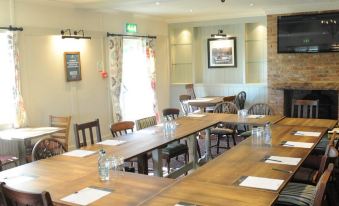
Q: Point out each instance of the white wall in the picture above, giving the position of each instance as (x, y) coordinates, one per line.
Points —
(44, 88)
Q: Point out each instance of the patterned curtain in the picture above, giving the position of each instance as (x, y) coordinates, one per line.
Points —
(115, 74)
(150, 55)
(21, 117)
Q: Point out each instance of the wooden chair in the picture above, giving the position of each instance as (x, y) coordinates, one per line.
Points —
(83, 128)
(186, 108)
(47, 147)
(190, 90)
(12, 197)
(170, 113)
(240, 100)
(8, 159)
(304, 194)
(62, 122)
(224, 130)
(229, 99)
(305, 108)
(120, 128)
(145, 122)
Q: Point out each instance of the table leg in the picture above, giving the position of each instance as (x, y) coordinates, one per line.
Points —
(157, 162)
(207, 155)
(143, 164)
(22, 146)
(192, 149)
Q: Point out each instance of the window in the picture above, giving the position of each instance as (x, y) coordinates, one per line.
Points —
(7, 79)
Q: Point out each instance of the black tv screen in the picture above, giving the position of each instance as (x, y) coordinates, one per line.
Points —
(308, 33)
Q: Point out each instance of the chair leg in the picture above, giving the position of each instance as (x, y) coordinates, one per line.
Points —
(228, 141)
(234, 142)
(168, 164)
(218, 143)
(198, 148)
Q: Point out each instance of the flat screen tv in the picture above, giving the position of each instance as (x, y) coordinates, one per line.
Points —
(308, 33)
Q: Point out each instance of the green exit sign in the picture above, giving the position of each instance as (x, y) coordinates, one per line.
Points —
(131, 28)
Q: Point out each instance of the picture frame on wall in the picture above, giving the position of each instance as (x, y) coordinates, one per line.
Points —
(72, 66)
(222, 52)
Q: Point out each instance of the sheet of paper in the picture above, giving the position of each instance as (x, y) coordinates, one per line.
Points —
(298, 144)
(252, 116)
(305, 133)
(261, 182)
(196, 115)
(185, 204)
(79, 153)
(112, 142)
(86, 196)
(17, 180)
(282, 160)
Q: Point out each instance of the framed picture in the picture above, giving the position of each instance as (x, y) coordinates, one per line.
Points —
(72, 66)
(222, 52)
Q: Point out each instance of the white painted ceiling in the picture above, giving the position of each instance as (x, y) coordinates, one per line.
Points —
(191, 10)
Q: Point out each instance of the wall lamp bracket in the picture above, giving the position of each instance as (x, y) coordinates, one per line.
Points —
(12, 28)
(67, 34)
(220, 34)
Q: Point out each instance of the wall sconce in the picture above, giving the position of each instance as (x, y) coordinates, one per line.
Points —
(67, 34)
(220, 34)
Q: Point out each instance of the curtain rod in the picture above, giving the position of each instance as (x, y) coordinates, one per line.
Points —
(127, 35)
(11, 28)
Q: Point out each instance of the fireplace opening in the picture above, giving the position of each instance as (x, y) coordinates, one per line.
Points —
(328, 101)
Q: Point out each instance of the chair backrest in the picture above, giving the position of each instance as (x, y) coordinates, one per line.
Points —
(321, 186)
(305, 108)
(226, 107)
(185, 107)
(146, 122)
(121, 128)
(47, 147)
(261, 109)
(88, 126)
(190, 90)
(240, 100)
(12, 197)
(172, 113)
(63, 122)
(229, 99)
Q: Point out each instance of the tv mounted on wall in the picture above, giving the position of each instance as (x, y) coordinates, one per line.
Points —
(308, 33)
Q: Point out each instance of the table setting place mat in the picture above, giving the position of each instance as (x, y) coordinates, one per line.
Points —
(260, 182)
(112, 142)
(17, 179)
(297, 144)
(87, 195)
(253, 116)
(79, 153)
(282, 160)
(196, 115)
(185, 204)
(306, 133)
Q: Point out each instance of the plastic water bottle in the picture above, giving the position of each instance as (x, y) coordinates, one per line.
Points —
(268, 134)
(103, 166)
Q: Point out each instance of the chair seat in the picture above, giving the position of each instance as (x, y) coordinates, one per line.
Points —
(5, 159)
(175, 149)
(297, 194)
(246, 134)
(222, 131)
(306, 175)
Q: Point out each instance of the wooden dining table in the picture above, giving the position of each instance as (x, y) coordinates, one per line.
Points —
(217, 182)
(328, 123)
(204, 102)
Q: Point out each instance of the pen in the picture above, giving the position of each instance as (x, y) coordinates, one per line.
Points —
(280, 170)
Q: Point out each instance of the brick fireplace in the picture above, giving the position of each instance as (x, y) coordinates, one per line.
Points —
(300, 72)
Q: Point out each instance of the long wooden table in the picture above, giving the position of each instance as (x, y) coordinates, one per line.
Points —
(328, 123)
(215, 182)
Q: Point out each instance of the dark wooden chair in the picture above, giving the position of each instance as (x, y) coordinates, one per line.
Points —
(8, 159)
(12, 197)
(186, 108)
(304, 194)
(120, 128)
(62, 122)
(225, 130)
(190, 90)
(240, 100)
(47, 147)
(88, 126)
(170, 113)
(305, 108)
(229, 99)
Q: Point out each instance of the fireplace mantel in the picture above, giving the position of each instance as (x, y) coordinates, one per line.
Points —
(323, 85)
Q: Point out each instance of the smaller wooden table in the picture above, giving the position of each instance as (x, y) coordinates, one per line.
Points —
(204, 102)
(25, 135)
(328, 123)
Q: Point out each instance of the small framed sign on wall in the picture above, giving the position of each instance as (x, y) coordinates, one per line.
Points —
(72, 66)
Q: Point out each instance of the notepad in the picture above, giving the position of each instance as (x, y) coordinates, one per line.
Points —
(185, 204)
(252, 116)
(19, 179)
(79, 153)
(112, 142)
(86, 196)
(196, 115)
(282, 160)
(261, 183)
(297, 144)
(304, 133)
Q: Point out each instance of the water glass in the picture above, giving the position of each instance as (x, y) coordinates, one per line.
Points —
(118, 165)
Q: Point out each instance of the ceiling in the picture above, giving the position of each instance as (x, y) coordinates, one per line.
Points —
(193, 10)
